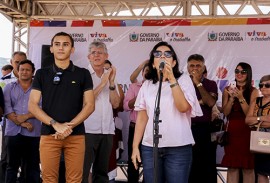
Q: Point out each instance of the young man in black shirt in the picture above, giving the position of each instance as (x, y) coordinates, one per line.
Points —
(67, 100)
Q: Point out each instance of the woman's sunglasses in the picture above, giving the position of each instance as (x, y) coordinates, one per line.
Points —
(243, 72)
(266, 85)
(167, 54)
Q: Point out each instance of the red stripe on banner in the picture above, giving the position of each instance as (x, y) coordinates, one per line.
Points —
(87, 23)
(36, 23)
(111, 23)
(258, 21)
(180, 22)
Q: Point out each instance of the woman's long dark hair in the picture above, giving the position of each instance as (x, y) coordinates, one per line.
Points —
(152, 73)
(248, 86)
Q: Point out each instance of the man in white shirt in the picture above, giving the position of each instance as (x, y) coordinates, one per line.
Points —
(17, 57)
(99, 127)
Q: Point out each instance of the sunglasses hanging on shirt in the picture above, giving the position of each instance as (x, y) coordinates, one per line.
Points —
(57, 78)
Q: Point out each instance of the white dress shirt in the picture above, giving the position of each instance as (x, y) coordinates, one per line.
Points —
(101, 120)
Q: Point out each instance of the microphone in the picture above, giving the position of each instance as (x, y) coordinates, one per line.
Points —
(161, 65)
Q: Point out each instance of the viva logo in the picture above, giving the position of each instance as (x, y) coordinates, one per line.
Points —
(254, 33)
(98, 35)
(175, 34)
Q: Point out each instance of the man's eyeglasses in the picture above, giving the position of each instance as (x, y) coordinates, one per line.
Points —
(57, 78)
(96, 52)
(266, 85)
(167, 54)
(243, 72)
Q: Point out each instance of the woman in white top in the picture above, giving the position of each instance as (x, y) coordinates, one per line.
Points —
(178, 104)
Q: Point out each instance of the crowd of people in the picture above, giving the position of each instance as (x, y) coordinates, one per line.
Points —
(67, 114)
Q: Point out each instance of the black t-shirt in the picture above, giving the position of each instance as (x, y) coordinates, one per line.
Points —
(62, 101)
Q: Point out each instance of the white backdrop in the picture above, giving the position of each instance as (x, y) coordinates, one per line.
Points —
(221, 45)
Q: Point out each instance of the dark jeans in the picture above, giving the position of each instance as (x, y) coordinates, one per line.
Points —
(203, 167)
(173, 164)
(133, 174)
(97, 154)
(23, 150)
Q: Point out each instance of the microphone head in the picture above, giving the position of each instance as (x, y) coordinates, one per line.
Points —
(161, 65)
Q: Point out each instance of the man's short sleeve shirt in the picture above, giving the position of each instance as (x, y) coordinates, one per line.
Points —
(62, 101)
(211, 87)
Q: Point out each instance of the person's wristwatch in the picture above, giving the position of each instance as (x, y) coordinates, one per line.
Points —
(258, 119)
(112, 87)
(52, 122)
(199, 85)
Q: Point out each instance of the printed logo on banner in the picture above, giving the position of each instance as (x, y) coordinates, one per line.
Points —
(78, 37)
(176, 37)
(258, 36)
(225, 36)
(102, 37)
(145, 37)
(221, 72)
(212, 36)
(133, 37)
(230, 36)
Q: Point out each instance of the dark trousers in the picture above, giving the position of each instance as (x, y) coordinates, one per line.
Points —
(203, 167)
(24, 151)
(3, 161)
(97, 154)
(133, 174)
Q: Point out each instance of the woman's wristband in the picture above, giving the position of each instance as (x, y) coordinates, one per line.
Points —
(242, 101)
(174, 84)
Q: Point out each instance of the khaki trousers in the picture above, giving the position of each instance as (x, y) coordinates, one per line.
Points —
(50, 153)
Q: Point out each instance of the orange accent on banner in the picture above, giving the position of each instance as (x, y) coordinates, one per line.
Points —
(86, 23)
(36, 23)
(219, 21)
(180, 22)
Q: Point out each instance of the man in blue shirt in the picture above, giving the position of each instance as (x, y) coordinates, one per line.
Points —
(17, 57)
(22, 129)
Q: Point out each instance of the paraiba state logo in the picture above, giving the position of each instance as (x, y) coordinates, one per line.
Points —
(225, 36)
(102, 37)
(176, 37)
(212, 36)
(145, 37)
(230, 36)
(257, 36)
(133, 37)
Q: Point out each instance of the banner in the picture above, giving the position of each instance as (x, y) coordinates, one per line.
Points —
(223, 43)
